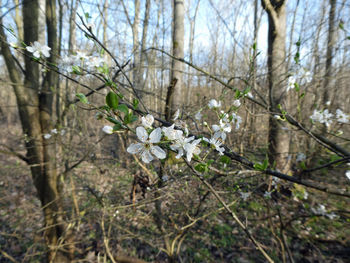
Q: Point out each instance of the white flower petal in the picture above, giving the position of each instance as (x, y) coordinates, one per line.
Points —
(36, 54)
(158, 152)
(141, 134)
(135, 148)
(106, 129)
(30, 49)
(147, 121)
(146, 156)
(155, 135)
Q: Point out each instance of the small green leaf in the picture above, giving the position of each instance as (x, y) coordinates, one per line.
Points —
(258, 166)
(254, 46)
(135, 103)
(117, 127)
(113, 120)
(224, 159)
(265, 164)
(237, 94)
(82, 98)
(123, 108)
(209, 162)
(112, 100)
(201, 167)
(76, 70)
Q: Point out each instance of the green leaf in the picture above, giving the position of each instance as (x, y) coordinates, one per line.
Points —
(112, 100)
(82, 98)
(201, 167)
(123, 108)
(117, 127)
(76, 70)
(113, 120)
(237, 94)
(209, 162)
(254, 46)
(87, 16)
(224, 159)
(265, 164)
(135, 103)
(247, 90)
(258, 166)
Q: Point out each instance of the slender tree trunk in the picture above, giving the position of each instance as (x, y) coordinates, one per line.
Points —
(72, 27)
(35, 110)
(141, 71)
(175, 90)
(18, 20)
(278, 138)
(329, 57)
(190, 50)
(105, 22)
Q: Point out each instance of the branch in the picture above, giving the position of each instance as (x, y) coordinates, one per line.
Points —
(270, 10)
(11, 151)
(227, 208)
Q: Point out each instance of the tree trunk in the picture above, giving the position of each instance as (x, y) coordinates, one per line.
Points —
(140, 80)
(278, 137)
(175, 90)
(35, 110)
(329, 56)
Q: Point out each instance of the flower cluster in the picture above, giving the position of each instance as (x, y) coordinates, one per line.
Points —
(53, 132)
(153, 141)
(325, 117)
(321, 210)
(80, 59)
(148, 147)
(302, 77)
(37, 49)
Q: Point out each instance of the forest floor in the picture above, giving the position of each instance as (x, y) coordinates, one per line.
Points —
(295, 224)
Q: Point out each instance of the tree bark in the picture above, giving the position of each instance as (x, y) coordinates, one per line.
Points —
(278, 137)
(175, 90)
(329, 56)
(35, 110)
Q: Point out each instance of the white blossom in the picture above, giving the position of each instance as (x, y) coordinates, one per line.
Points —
(94, 62)
(216, 142)
(236, 119)
(244, 196)
(147, 148)
(221, 129)
(54, 131)
(341, 116)
(198, 116)
(107, 129)
(236, 103)
(250, 95)
(171, 134)
(347, 174)
(192, 148)
(267, 194)
(47, 136)
(291, 83)
(179, 145)
(81, 56)
(301, 157)
(38, 49)
(322, 117)
(214, 104)
(147, 121)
